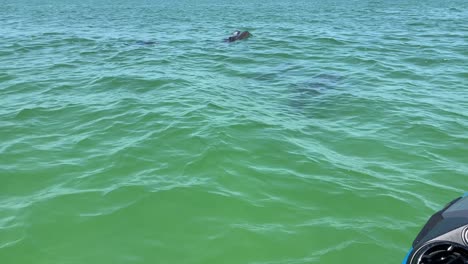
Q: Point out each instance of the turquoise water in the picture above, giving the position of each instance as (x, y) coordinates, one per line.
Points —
(330, 136)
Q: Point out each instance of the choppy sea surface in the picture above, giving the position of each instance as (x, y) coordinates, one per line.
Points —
(330, 136)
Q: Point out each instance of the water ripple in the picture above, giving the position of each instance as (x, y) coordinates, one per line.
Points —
(278, 149)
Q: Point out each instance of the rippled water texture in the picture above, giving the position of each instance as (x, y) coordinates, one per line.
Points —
(329, 136)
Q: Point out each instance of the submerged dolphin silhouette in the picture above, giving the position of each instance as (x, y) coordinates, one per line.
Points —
(143, 42)
(237, 35)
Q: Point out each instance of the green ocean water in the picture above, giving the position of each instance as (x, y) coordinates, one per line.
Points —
(330, 136)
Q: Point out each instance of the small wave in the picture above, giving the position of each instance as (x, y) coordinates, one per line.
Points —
(426, 62)
(4, 245)
(63, 66)
(137, 83)
(27, 113)
(264, 228)
(330, 40)
(418, 24)
(46, 34)
(76, 40)
(5, 77)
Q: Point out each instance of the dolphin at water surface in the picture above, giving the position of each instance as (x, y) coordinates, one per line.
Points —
(238, 35)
